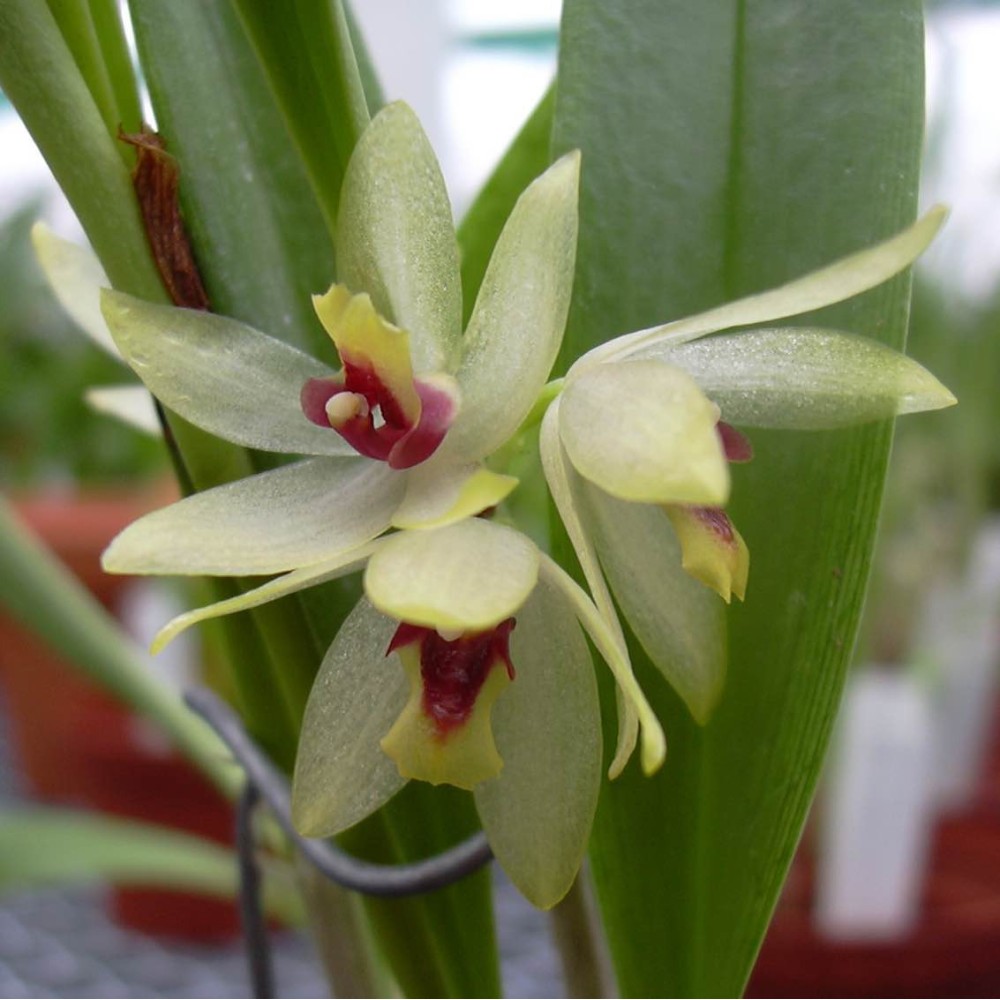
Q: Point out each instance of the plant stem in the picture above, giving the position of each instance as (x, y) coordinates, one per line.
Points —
(575, 927)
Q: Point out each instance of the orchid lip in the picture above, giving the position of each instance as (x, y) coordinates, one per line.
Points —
(361, 409)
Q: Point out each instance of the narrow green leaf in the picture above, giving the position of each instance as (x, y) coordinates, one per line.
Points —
(306, 51)
(728, 147)
(40, 592)
(526, 158)
(260, 264)
(59, 846)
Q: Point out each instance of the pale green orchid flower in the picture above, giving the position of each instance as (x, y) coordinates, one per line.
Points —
(398, 440)
(636, 452)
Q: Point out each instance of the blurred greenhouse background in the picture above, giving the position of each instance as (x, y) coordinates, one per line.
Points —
(903, 856)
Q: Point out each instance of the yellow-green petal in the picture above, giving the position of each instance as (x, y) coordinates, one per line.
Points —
(463, 757)
(644, 431)
(132, 404)
(712, 550)
(517, 324)
(468, 576)
(396, 239)
(807, 379)
(281, 586)
(341, 773)
(298, 515)
(538, 812)
(439, 493)
(222, 375)
(76, 277)
(679, 621)
(826, 286)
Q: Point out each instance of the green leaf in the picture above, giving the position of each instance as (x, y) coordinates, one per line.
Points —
(59, 846)
(261, 263)
(538, 811)
(306, 51)
(729, 147)
(40, 592)
(396, 240)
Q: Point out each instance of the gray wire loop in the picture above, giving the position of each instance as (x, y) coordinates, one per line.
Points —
(338, 866)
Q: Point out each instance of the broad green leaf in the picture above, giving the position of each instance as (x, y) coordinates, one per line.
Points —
(644, 431)
(222, 375)
(526, 159)
(679, 621)
(341, 773)
(547, 723)
(517, 325)
(262, 245)
(470, 575)
(59, 846)
(807, 379)
(395, 237)
(298, 515)
(728, 148)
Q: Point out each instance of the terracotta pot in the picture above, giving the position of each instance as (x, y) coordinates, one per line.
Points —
(75, 744)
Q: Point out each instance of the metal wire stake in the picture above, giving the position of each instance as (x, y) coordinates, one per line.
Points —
(259, 964)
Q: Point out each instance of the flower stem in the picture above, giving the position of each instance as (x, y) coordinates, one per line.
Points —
(576, 929)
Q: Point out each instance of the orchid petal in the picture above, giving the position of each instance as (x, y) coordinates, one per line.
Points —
(644, 431)
(439, 493)
(290, 517)
(76, 277)
(538, 812)
(341, 772)
(132, 404)
(282, 586)
(470, 575)
(462, 752)
(559, 475)
(826, 286)
(396, 239)
(222, 375)
(807, 379)
(653, 746)
(518, 321)
(680, 622)
(712, 550)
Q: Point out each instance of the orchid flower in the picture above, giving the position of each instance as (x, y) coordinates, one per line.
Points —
(637, 446)
(466, 660)
(398, 441)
